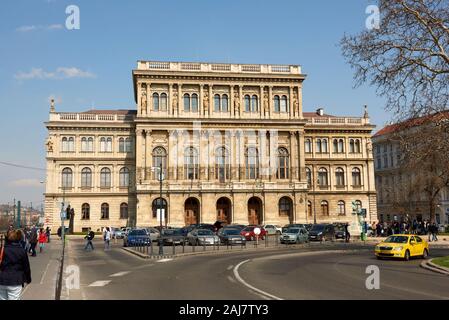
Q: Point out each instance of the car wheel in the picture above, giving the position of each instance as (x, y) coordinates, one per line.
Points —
(425, 254)
(407, 255)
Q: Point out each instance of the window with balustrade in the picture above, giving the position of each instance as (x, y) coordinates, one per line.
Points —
(283, 165)
(191, 163)
(252, 163)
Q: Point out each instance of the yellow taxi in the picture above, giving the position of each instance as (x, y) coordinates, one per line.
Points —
(402, 246)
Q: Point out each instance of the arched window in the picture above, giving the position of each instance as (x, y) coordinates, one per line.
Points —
(224, 103)
(85, 211)
(308, 146)
(86, 178)
(357, 146)
(309, 177)
(127, 145)
(322, 177)
(155, 101)
(164, 102)
(105, 178)
(254, 104)
(121, 145)
(222, 163)
(186, 102)
(109, 144)
(124, 177)
(351, 146)
(84, 146)
(247, 103)
(67, 176)
(105, 211)
(285, 207)
(341, 208)
(194, 102)
(156, 205)
(283, 164)
(65, 144)
(324, 145)
(309, 208)
(217, 103)
(340, 177)
(358, 205)
(252, 163)
(335, 144)
(356, 177)
(191, 163)
(71, 144)
(90, 144)
(324, 208)
(159, 158)
(277, 104)
(124, 211)
(284, 107)
(341, 146)
(318, 146)
(103, 144)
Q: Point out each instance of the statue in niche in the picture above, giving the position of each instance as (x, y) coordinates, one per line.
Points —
(369, 145)
(143, 99)
(236, 103)
(265, 102)
(206, 102)
(49, 145)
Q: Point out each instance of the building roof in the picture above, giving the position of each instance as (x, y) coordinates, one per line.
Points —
(412, 123)
(316, 115)
(117, 111)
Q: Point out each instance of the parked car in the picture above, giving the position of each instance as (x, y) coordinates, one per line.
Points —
(202, 237)
(136, 237)
(236, 226)
(126, 230)
(117, 233)
(249, 234)
(340, 232)
(295, 235)
(172, 237)
(292, 225)
(402, 246)
(308, 226)
(185, 230)
(153, 233)
(322, 232)
(231, 236)
(272, 229)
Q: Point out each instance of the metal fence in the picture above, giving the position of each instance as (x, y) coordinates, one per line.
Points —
(161, 247)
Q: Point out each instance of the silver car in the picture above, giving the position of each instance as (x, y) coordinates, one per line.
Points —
(295, 235)
(202, 237)
(153, 233)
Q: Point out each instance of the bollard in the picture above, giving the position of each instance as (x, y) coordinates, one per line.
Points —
(174, 246)
(183, 246)
(161, 246)
(151, 247)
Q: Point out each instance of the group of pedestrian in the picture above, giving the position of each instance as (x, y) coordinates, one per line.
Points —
(15, 269)
(415, 227)
(33, 237)
(91, 235)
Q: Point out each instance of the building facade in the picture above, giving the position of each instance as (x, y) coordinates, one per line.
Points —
(233, 144)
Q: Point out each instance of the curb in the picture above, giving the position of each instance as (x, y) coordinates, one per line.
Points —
(224, 251)
(427, 264)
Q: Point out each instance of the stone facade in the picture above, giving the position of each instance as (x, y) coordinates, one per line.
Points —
(234, 145)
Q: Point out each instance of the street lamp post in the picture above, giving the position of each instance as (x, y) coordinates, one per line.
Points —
(161, 213)
(314, 196)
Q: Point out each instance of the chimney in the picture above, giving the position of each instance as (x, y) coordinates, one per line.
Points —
(320, 112)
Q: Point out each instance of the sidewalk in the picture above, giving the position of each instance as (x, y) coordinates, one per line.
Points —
(44, 270)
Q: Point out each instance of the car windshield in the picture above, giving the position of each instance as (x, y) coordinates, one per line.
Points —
(292, 230)
(137, 233)
(172, 232)
(248, 229)
(231, 232)
(318, 227)
(396, 239)
(205, 233)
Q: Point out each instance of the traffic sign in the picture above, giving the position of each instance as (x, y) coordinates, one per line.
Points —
(257, 231)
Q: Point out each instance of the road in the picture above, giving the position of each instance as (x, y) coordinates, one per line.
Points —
(334, 271)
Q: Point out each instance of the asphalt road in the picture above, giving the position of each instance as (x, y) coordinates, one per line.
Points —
(334, 271)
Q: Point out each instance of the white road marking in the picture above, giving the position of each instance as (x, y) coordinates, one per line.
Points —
(231, 279)
(120, 274)
(239, 279)
(164, 260)
(45, 272)
(230, 267)
(100, 283)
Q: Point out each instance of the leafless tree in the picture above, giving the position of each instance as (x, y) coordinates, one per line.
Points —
(407, 58)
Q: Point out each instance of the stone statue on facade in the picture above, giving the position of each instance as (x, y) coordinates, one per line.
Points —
(265, 103)
(175, 102)
(369, 145)
(236, 103)
(143, 101)
(206, 102)
(49, 145)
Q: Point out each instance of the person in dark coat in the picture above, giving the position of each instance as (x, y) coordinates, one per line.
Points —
(33, 241)
(14, 267)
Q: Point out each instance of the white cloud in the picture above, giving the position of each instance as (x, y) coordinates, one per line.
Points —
(34, 28)
(59, 74)
(26, 183)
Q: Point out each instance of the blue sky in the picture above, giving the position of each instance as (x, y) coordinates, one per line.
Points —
(92, 66)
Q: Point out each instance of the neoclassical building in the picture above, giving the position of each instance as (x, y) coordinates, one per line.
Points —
(233, 143)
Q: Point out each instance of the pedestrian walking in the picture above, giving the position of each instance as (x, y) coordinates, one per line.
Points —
(89, 237)
(47, 233)
(107, 239)
(33, 241)
(347, 234)
(59, 232)
(434, 231)
(42, 239)
(14, 267)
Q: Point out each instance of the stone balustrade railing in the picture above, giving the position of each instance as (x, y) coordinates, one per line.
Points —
(90, 117)
(338, 121)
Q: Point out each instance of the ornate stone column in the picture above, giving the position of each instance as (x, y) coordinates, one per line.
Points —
(290, 102)
(169, 100)
(301, 116)
(231, 102)
(302, 158)
(149, 107)
(148, 154)
(270, 98)
(293, 156)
